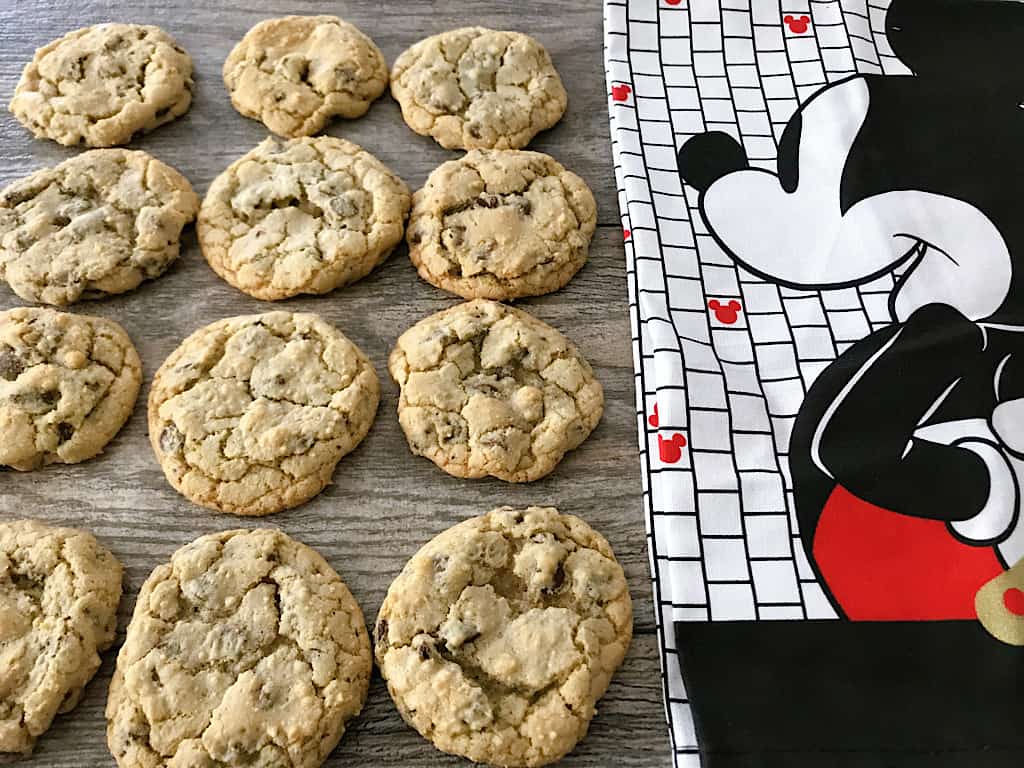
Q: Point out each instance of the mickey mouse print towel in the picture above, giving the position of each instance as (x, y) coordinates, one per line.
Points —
(821, 205)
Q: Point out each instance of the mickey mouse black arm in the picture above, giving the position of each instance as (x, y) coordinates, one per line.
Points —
(864, 411)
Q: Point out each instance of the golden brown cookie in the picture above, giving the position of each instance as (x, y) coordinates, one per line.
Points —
(501, 224)
(297, 72)
(59, 590)
(251, 414)
(100, 85)
(68, 383)
(302, 216)
(500, 635)
(491, 390)
(475, 88)
(246, 649)
(97, 224)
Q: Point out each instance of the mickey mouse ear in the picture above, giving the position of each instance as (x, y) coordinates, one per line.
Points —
(805, 19)
(787, 18)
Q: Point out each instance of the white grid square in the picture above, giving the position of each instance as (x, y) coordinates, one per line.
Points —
(814, 344)
(706, 390)
(741, 378)
(733, 346)
(674, 496)
(748, 98)
(784, 397)
(735, 23)
(775, 582)
(699, 356)
(805, 310)
(838, 61)
(732, 602)
(708, 64)
(713, 87)
(768, 536)
(761, 297)
(680, 531)
(714, 471)
(710, 430)
(762, 492)
(768, 39)
(755, 124)
(829, 36)
(720, 514)
(749, 413)
(687, 579)
(755, 452)
(850, 325)
(706, 37)
(743, 75)
(726, 560)
(780, 86)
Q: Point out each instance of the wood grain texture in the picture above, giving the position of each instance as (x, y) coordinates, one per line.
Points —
(384, 502)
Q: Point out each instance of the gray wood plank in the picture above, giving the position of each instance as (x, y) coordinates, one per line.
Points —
(384, 502)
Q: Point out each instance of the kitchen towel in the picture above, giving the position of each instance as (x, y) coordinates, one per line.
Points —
(821, 202)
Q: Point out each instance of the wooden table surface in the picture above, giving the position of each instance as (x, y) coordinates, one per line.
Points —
(384, 502)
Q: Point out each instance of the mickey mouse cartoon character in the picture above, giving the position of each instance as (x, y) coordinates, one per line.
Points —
(907, 456)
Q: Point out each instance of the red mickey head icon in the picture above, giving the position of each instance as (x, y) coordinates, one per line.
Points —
(620, 92)
(671, 450)
(626, 233)
(797, 24)
(725, 313)
(673, 2)
(653, 418)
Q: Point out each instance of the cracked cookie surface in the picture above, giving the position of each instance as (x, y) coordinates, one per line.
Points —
(251, 414)
(59, 591)
(68, 383)
(478, 88)
(302, 216)
(501, 224)
(297, 72)
(246, 649)
(499, 636)
(97, 224)
(491, 390)
(99, 85)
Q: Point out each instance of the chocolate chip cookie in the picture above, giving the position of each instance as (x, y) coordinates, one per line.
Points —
(490, 390)
(102, 84)
(501, 224)
(251, 414)
(97, 224)
(59, 591)
(296, 73)
(302, 216)
(246, 649)
(500, 635)
(477, 88)
(68, 383)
